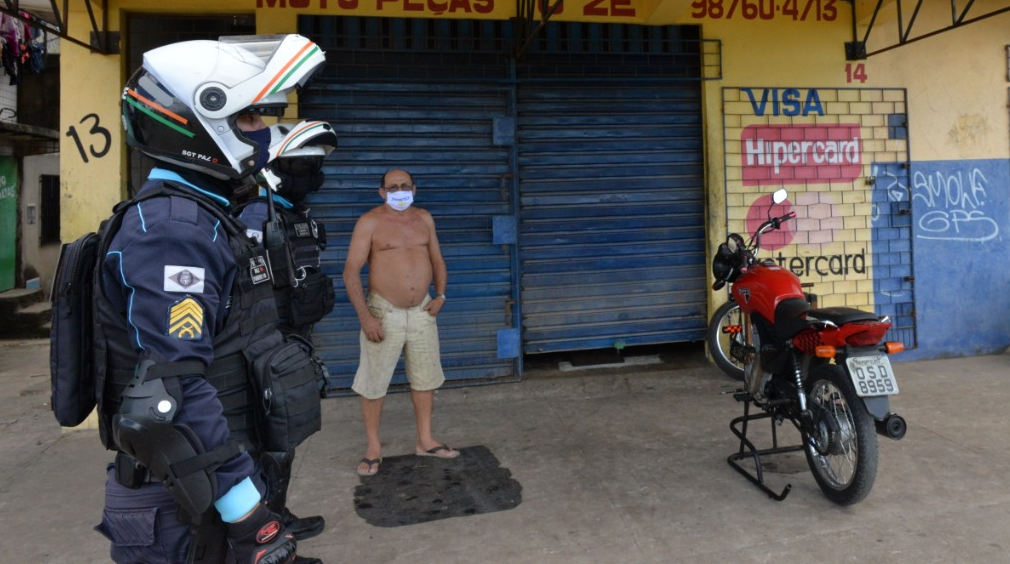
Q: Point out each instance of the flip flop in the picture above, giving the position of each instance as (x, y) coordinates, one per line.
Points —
(370, 462)
(437, 452)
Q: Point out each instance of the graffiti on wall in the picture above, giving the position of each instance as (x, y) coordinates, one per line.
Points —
(954, 205)
(890, 187)
(94, 134)
(954, 199)
(960, 213)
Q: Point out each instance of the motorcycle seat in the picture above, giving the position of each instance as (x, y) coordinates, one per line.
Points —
(841, 315)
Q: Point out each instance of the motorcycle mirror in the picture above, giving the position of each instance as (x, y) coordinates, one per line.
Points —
(780, 195)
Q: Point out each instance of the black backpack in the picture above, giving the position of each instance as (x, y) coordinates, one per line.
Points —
(70, 334)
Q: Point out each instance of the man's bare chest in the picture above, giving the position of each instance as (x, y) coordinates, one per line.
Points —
(405, 236)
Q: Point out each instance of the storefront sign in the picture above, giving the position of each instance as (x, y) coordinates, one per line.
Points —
(574, 9)
(801, 154)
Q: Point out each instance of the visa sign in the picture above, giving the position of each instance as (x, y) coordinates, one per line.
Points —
(786, 102)
(801, 153)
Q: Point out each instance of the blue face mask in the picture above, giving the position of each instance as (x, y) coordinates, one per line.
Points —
(262, 140)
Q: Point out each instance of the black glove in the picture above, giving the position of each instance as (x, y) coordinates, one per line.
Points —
(261, 539)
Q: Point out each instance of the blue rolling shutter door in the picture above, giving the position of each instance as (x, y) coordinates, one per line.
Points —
(444, 133)
(612, 226)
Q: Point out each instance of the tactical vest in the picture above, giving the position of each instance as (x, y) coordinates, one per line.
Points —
(306, 238)
(248, 332)
(303, 293)
(309, 296)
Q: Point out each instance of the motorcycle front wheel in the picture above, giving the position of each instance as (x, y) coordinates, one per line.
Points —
(725, 331)
(842, 451)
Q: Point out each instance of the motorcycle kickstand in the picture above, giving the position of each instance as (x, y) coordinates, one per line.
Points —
(739, 427)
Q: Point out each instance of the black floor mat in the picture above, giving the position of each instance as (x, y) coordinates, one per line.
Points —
(413, 489)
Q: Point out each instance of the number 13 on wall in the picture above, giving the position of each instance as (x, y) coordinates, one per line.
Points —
(95, 133)
(855, 72)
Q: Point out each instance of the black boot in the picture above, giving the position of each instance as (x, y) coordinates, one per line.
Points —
(261, 539)
(302, 529)
(306, 560)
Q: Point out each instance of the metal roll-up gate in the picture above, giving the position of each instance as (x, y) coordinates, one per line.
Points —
(612, 226)
(568, 196)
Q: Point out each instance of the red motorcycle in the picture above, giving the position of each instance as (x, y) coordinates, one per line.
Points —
(825, 370)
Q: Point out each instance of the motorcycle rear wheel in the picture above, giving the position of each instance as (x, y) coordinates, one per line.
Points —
(720, 343)
(844, 462)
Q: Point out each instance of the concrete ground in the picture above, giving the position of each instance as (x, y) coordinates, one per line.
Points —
(617, 465)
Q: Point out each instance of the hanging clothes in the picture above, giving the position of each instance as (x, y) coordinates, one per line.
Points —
(11, 32)
(36, 41)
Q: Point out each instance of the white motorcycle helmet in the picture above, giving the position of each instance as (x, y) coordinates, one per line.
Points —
(181, 105)
(296, 158)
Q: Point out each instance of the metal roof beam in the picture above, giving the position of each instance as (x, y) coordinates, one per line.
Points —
(856, 49)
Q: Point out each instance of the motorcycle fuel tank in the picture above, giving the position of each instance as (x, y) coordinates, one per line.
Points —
(762, 287)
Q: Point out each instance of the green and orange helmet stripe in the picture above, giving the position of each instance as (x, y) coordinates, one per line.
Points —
(158, 112)
(278, 81)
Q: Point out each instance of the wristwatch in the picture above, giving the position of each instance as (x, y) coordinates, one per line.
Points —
(440, 296)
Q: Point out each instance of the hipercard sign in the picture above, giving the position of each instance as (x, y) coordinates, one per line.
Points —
(801, 154)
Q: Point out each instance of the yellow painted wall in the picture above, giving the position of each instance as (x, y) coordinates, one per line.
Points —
(90, 177)
(957, 91)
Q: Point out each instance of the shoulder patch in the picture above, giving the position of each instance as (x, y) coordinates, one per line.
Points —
(184, 279)
(185, 320)
(258, 270)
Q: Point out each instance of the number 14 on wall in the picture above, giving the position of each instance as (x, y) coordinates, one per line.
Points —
(855, 72)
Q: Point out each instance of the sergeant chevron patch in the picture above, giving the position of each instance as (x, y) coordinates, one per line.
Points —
(185, 320)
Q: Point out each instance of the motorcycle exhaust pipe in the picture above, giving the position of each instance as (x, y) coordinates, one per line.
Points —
(893, 426)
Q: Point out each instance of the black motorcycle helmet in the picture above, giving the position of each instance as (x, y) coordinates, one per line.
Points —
(727, 261)
(180, 106)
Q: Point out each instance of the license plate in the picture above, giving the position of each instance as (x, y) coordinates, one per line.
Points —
(872, 375)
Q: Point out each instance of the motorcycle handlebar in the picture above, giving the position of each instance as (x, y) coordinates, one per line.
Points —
(745, 253)
(778, 221)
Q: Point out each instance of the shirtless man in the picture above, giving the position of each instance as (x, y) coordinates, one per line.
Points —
(399, 244)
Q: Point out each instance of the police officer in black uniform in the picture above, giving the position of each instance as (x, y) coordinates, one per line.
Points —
(184, 307)
(295, 241)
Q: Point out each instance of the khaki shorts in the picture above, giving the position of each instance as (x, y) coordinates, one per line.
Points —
(412, 331)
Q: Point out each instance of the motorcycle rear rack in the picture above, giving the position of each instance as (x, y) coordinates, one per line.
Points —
(748, 450)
